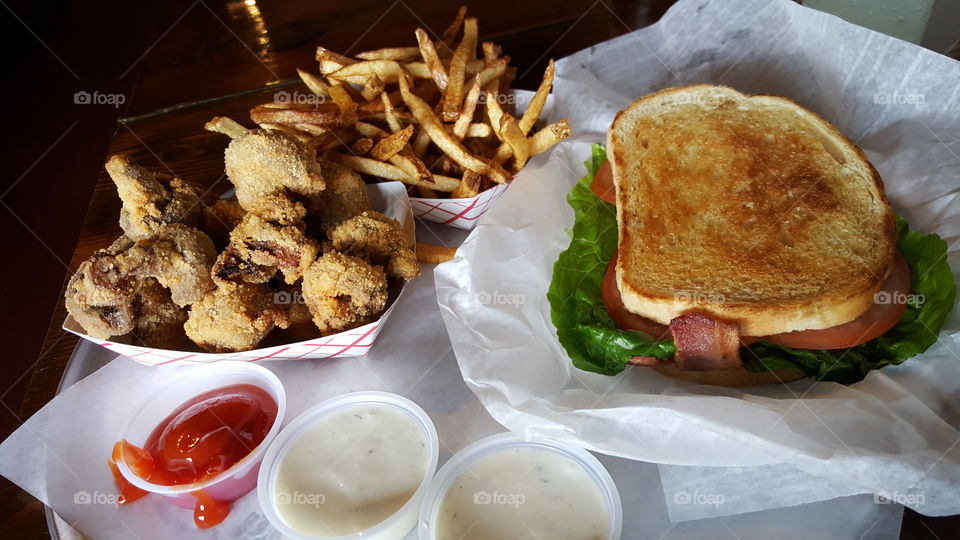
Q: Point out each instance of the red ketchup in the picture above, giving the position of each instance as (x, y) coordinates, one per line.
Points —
(201, 439)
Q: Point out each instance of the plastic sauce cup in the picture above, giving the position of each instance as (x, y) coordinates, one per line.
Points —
(232, 483)
(394, 527)
(461, 462)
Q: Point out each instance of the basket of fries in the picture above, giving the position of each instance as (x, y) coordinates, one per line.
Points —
(436, 116)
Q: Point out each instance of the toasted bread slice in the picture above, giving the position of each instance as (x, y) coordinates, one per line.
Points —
(750, 209)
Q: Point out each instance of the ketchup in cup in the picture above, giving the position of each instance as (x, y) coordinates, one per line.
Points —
(201, 439)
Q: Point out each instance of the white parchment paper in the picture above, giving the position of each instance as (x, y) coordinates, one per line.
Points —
(59, 455)
(895, 433)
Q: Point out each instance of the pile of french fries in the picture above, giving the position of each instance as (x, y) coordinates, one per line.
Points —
(434, 116)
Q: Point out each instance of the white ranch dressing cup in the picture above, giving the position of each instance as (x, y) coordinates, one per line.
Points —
(393, 527)
(466, 461)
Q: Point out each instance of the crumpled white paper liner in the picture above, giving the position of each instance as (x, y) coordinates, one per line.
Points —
(893, 433)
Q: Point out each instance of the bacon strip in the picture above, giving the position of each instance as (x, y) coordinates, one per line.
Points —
(705, 344)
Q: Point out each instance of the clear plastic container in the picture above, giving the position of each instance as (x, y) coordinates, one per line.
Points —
(239, 479)
(400, 522)
(461, 462)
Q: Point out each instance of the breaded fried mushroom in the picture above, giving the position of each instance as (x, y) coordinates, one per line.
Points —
(234, 317)
(258, 249)
(107, 302)
(159, 321)
(151, 200)
(99, 296)
(344, 197)
(343, 292)
(265, 167)
(378, 240)
(179, 257)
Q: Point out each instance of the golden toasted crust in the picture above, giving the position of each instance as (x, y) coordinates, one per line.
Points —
(749, 208)
(729, 377)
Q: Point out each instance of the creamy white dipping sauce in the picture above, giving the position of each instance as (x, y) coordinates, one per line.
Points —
(351, 470)
(523, 493)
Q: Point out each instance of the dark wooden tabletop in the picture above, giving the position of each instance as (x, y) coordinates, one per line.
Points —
(176, 64)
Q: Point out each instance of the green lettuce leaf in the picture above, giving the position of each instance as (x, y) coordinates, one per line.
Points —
(584, 328)
(594, 342)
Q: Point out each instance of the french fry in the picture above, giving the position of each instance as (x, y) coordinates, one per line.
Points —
(549, 136)
(325, 114)
(275, 105)
(381, 117)
(469, 186)
(226, 126)
(492, 72)
(494, 110)
(377, 104)
(431, 59)
(392, 121)
(513, 136)
(362, 146)
(344, 101)
(537, 102)
(503, 152)
(478, 130)
(358, 73)
(312, 129)
(331, 61)
(392, 172)
(495, 114)
(450, 34)
(491, 51)
(329, 66)
(418, 70)
(420, 143)
(372, 88)
(370, 130)
(399, 54)
(453, 94)
(414, 167)
(324, 53)
(429, 253)
(391, 145)
(421, 111)
(469, 107)
(444, 183)
(316, 85)
(373, 167)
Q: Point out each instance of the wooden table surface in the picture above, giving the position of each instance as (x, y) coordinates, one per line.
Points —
(177, 64)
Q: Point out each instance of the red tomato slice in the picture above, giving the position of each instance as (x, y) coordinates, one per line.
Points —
(874, 322)
(624, 319)
(602, 185)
